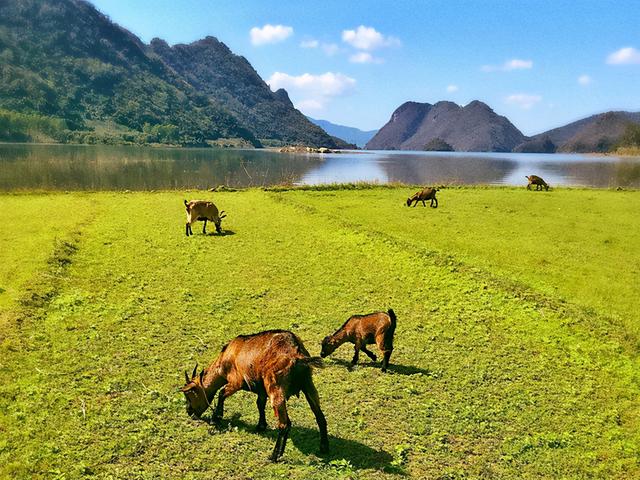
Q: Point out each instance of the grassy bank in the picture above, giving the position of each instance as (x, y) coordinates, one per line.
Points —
(516, 349)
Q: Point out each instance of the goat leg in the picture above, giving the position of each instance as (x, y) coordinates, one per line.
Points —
(369, 353)
(204, 227)
(284, 425)
(313, 399)
(356, 354)
(262, 422)
(385, 361)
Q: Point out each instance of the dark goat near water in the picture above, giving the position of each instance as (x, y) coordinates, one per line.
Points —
(537, 181)
(271, 364)
(363, 330)
(203, 210)
(428, 193)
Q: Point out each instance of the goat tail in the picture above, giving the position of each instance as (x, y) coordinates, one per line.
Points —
(392, 316)
(311, 362)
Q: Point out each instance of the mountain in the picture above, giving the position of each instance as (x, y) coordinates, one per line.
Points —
(348, 134)
(210, 67)
(597, 133)
(474, 127)
(68, 71)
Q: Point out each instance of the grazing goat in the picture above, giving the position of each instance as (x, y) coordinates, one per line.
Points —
(537, 181)
(271, 364)
(424, 194)
(203, 210)
(363, 330)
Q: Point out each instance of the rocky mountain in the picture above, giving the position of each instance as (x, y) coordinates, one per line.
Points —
(67, 69)
(597, 133)
(348, 134)
(211, 68)
(474, 127)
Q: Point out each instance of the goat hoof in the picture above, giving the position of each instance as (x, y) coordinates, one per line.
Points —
(261, 428)
(273, 458)
(324, 448)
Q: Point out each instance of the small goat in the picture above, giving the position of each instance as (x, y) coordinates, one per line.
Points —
(271, 364)
(537, 181)
(363, 330)
(203, 210)
(427, 193)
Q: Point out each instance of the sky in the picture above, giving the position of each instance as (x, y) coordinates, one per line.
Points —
(540, 63)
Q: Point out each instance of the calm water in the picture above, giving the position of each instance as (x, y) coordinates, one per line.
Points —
(64, 167)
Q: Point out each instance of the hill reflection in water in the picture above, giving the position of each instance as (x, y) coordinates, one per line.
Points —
(76, 167)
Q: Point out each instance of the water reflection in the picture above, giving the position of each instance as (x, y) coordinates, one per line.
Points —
(63, 167)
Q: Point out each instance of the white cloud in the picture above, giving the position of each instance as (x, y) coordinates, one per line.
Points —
(313, 92)
(509, 65)
(310, 105)
(270, 34)
(584, 80)
(452, 88)
(364, 57)
(330, 49)
(523, 100)
(624, 56)
(368, 38)
(309, 44)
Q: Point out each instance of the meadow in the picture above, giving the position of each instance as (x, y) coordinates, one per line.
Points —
(516, 352)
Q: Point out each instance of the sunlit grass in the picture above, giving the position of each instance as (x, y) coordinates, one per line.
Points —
(504, 365)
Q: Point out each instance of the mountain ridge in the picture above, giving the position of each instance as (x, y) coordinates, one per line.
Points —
(352, 135)
(473, 127)
(65, 60)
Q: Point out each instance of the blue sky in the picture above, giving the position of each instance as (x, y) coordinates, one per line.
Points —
(540, 63)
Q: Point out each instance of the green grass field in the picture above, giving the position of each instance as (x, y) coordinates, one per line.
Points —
(516, 349)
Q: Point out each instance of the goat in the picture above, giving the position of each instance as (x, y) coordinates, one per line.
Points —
(537, 181)
(271, 364)
(363, 330)
(427, 193)
(203, 210)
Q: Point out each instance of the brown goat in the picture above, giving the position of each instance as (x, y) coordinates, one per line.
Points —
(203, 210)
(271, 364)
(363, 330)
(427, 193)
(537, 181)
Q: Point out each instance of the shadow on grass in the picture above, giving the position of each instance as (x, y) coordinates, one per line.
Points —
(225, 233)
(307, 440)
(395, 368)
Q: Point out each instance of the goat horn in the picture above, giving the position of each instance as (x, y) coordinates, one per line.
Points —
(195, 370)
(186, 376)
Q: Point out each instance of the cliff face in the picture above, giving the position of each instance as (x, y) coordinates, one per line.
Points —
(230, 80)
(474, 127)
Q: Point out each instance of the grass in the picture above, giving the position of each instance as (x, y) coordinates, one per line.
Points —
(516, 350)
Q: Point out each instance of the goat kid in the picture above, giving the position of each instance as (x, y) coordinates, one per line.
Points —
(428, 193)
(537, 181)
(363, 330)
(273, 364)
(198, 210)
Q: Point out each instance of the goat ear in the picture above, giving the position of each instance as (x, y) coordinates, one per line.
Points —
(201, 376)
(195, 370)
(186, 377)
(221, 214)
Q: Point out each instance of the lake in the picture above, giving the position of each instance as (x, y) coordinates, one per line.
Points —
(88, 167)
